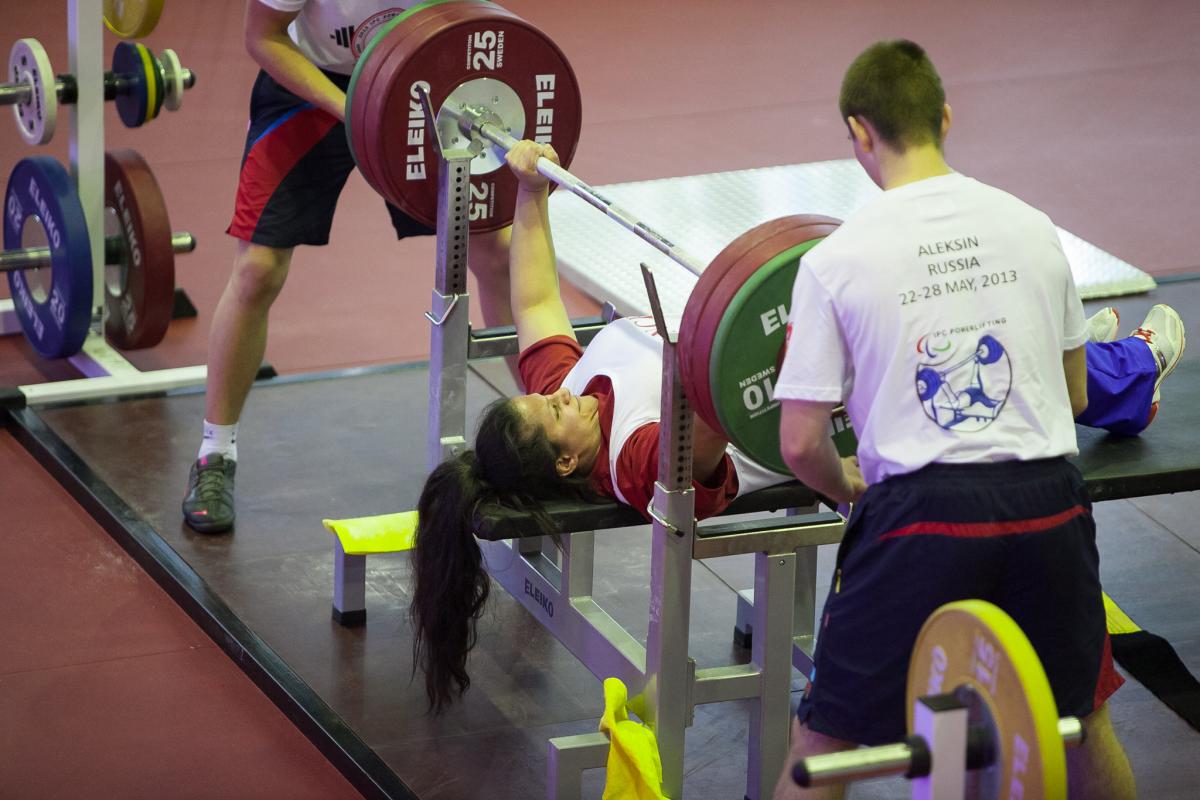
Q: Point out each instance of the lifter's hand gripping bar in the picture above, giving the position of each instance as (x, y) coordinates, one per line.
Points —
(475, 121)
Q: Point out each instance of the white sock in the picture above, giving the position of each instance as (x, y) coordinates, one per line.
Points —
(219, 439)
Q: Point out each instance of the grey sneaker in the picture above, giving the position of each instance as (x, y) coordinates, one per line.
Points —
(1102, 326)
(1162, 330)
(208, 506)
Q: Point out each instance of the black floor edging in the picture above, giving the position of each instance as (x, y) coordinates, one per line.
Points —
(287, 690)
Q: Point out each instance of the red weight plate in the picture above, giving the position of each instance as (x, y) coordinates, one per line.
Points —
(467, 41)
(138, 311)
(368, 103)
(421, 34)
(703, 294)
(716, 288)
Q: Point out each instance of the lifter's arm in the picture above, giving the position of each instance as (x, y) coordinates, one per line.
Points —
(1075, 368)
(809, 452)
(537, 305)
(268, 43)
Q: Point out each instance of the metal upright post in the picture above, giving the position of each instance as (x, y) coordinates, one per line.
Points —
(87, 128)
(771, 650)
(669, 671)
(450, 333)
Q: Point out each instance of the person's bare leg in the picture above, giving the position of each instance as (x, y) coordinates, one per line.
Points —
(806, 742)
(238, 337)
(489, 263)
(1099, 769)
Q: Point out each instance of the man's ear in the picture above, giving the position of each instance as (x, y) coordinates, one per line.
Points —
(947, 118)
(861, 134)
(565, 464)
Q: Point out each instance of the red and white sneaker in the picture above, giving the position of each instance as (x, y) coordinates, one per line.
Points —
(1162, 331)
(1102, 326)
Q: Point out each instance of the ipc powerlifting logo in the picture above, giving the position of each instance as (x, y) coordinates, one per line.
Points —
(966, 383)
(359, 36)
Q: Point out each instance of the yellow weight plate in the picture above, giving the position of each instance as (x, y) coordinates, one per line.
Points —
(153, 77)
(132, 19)
(974, 644)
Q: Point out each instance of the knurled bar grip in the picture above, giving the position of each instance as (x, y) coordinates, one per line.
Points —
(38, 257)
(472, 121)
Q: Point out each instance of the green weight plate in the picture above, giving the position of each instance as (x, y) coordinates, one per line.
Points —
(355, 114)
(743, 361)
(373, 72)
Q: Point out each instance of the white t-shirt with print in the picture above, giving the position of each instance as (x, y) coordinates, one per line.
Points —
(333, 33)
(629, 352)
(939, 313)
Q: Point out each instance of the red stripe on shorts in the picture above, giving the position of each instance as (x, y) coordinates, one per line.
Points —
(1109, 680)
(270, 160)
(979, 530)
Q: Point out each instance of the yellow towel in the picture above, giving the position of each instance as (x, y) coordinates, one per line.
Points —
(386, 533)
(1118, 621)
(634, 769)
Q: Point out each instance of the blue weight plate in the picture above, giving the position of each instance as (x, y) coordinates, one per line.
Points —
(57, 323)
(133, 102)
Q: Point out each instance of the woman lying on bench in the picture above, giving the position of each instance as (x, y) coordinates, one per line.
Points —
(587, 430)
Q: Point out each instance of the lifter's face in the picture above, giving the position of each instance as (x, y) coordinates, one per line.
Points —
(571, 422)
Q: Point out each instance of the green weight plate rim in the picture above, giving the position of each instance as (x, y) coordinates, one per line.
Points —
(378, 37)
(723, 335)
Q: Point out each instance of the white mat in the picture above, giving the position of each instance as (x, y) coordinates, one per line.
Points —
(703, 213)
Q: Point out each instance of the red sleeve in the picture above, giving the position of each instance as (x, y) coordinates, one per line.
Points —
(637, 469)
(545, 363)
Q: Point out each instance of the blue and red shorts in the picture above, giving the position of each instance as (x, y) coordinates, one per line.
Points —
(1019, 534)
(295, 164)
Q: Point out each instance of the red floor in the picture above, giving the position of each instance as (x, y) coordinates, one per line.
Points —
(108, 689)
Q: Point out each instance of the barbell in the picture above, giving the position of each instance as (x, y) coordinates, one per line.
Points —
(44, 227)
(491, 79)
(140, 83)
(973, 655)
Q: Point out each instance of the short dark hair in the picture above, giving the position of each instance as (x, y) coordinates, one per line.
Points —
(894, 86)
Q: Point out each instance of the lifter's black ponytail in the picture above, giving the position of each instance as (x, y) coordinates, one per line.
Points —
(512, 466)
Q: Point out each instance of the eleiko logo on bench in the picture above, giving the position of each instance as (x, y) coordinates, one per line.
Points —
(539, 598)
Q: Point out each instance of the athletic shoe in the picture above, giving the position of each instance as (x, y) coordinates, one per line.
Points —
(208, 506)
(1162, 331)
(1102, 326)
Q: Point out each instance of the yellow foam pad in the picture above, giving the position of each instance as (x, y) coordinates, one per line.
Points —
(1118, 621)
(385, 533)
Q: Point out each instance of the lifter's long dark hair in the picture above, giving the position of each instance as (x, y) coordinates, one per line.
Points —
(513, 464)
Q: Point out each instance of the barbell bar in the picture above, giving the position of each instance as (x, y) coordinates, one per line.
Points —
(114, 246)
(476, 120)
(450, 69)
(909, 758)
(67, 89)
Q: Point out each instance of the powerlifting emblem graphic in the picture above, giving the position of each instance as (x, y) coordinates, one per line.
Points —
(963, 391)
(366, 30)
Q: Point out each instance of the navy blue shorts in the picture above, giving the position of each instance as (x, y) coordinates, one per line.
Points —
(295, 164)
(1019, 534)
